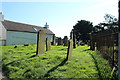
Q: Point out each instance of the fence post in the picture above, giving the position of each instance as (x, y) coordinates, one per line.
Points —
(119, 55)
(119, 40)
(69, 51)
(40, 43)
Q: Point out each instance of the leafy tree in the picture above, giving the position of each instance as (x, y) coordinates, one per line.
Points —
(82, 30)
(110, 18)
(109, 23)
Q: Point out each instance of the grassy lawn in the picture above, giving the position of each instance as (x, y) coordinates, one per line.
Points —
(21, 62)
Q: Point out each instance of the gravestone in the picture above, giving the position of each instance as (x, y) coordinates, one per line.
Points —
(48, 44)
(78, 43)
(53, 42)
(74, 39)
(69, 51)
(92, 42)
(65, 41)
(71, 35)
(40, 43)
(59, 41)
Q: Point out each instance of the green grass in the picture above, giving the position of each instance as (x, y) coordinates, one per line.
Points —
(21, 63)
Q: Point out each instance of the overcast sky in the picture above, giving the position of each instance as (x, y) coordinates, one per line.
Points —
(61, 15)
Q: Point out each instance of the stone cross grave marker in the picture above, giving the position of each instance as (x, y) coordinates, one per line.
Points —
(48, 44)
(40, 43)
(69, 51)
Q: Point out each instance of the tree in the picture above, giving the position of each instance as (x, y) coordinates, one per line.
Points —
(82, 30)
(110, 18)
(110, 22)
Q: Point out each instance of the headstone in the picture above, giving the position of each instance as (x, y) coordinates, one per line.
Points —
(78, 43)
(74, 39)
(69, 51)
(59, 41)
(48, 44)
(71, 35)
(53, 42)
(40, 43)
(65, 41)
(92, 43)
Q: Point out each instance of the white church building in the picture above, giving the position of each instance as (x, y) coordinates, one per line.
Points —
(12, 33)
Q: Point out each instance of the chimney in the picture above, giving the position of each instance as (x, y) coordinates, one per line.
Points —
(1, 17)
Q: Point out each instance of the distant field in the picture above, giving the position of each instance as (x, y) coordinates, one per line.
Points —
(21, 62)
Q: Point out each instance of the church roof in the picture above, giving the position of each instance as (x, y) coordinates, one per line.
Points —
(22, 27)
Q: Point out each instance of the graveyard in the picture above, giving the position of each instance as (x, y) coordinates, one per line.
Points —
(22, 62)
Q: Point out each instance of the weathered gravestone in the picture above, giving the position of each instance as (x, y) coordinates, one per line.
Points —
(92, 42)
(40, 43)
(59, 41)
(78, 43)
(74, 40)
(54, 38)
(65, 41)
(73, 37)
(48, 44)
(69, 51)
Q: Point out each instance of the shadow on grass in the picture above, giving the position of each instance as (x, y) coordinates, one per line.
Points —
(32, 56)
(54, 68)
(96, 64)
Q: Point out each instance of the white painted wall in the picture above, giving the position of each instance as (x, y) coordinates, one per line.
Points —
(50, 36)
(2, 34)
(14, 37)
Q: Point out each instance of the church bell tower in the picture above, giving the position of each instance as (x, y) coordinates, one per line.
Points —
(46, 26)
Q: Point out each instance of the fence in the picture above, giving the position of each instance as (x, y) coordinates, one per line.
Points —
(106, 42)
